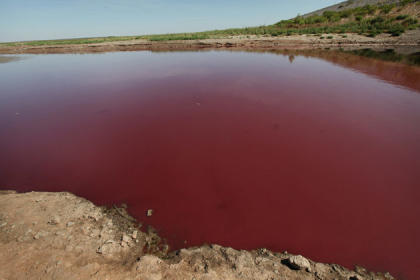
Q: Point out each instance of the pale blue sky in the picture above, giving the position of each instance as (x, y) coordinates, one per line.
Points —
(54, 19)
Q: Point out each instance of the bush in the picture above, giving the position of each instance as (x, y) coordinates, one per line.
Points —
(410, 21)
(377, 20)
(401, 17)
(396, 30)
(299, 20)
(385, 9)
(345, 13)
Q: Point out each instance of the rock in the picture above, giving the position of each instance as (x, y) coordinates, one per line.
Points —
(125, 238)
(3, 224)
(108, 248)
(95, 233)
(54, 220)
(126, 252)
(297, 263)
(149, 212)
(86, 230)
(387, 275)
(40, 234)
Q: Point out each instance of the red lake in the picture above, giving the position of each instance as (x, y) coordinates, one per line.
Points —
(303, 153)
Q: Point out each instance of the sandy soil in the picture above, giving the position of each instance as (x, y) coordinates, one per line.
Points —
(61, 236)
(408, 42)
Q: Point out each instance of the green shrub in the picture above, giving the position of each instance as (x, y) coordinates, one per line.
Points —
(299, 20)
(377, 20)
(345, 13)
(396, 30)
(401, 17)
(385, 9)
(410, 21)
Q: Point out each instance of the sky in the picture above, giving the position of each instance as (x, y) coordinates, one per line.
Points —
(57, 19)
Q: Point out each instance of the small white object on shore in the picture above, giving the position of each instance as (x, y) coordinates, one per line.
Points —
(149, 212)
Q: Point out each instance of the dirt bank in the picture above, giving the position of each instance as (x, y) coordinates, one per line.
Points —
(61, 236)
(408, 42)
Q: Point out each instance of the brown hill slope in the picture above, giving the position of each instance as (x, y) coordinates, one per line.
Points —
(351, 4)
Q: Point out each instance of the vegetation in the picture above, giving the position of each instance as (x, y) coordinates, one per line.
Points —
(183, 36)
(389, 55)
(368, 20)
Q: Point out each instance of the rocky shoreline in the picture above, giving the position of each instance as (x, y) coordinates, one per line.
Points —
(61, 236)
(407, 43)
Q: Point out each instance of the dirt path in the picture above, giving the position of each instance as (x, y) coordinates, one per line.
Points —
(61, 236)
(409, 41)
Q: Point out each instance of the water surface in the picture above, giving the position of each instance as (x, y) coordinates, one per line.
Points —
(308, 154)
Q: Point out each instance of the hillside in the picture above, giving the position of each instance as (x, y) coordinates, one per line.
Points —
(368, 18)
(351, 4)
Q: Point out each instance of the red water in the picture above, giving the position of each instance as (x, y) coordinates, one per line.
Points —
(241, 149)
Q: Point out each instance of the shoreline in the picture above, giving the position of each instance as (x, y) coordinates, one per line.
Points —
(409, 42)
(61, 236)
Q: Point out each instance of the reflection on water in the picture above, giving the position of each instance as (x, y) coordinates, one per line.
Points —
(390, 55)
(312, 153)
(9, 58)
(384, 65)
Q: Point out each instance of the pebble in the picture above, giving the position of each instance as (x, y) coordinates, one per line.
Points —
(38, 235)
(298, 262)
(54, 221)
(125, 238)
